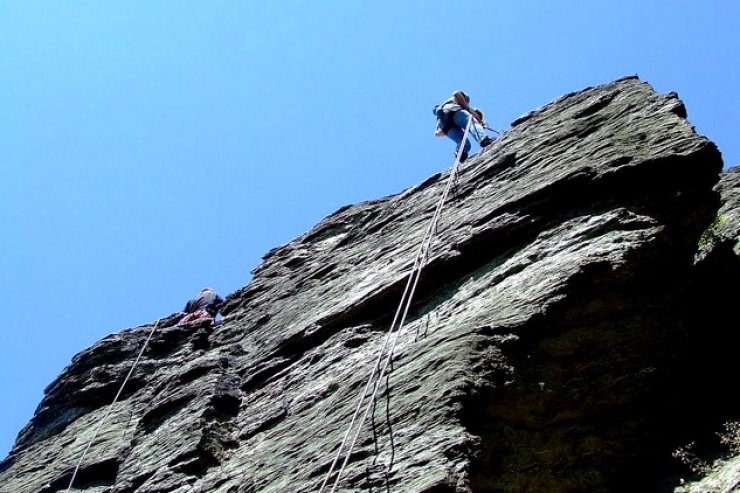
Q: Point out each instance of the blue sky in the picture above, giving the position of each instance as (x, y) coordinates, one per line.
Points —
(149, 149)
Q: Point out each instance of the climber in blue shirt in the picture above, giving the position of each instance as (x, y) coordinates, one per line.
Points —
(452, 118)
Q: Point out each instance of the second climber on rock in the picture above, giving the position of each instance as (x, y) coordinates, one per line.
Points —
(203, 307)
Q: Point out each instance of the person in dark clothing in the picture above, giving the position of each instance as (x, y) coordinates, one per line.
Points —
(452, 118)
(204, 306)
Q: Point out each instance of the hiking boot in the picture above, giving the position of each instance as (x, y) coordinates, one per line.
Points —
(485, 141)
(463, 156)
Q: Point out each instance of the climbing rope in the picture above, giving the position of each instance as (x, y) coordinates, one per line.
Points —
(110, 408)
(421, 259)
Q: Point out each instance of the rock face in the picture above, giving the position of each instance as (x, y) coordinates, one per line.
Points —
(557, 342)
(713, 293)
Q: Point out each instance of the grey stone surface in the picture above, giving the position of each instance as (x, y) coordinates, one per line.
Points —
(728, 218)
(545, 350)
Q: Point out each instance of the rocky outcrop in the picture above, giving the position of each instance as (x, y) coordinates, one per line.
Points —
(551, 346)
(713, 338)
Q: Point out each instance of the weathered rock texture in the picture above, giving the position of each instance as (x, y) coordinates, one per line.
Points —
(558, 342)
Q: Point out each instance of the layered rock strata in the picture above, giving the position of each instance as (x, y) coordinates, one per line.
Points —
(546, 349)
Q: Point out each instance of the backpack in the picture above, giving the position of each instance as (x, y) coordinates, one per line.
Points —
(445, 113)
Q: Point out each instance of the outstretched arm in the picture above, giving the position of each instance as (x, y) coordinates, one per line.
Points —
(460, 99)
(478, 114)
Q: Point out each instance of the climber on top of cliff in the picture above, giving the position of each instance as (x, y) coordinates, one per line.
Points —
(203, 307)
(452, 118)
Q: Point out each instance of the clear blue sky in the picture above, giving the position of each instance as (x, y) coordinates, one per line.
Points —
(149, 149)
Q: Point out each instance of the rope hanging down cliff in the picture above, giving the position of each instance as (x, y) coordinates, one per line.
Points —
(110, 408)
(391, 336)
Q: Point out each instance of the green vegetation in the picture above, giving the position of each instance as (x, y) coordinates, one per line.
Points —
(730, 438)
(709, 237)
(691, 460)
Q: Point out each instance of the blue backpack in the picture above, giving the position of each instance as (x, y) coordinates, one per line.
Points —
(445, 114)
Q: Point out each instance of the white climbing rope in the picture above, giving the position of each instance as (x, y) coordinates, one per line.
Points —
(403, 308)
(110, 408)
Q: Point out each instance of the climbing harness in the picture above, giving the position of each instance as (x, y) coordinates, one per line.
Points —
(110, 408)
(422, 257)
